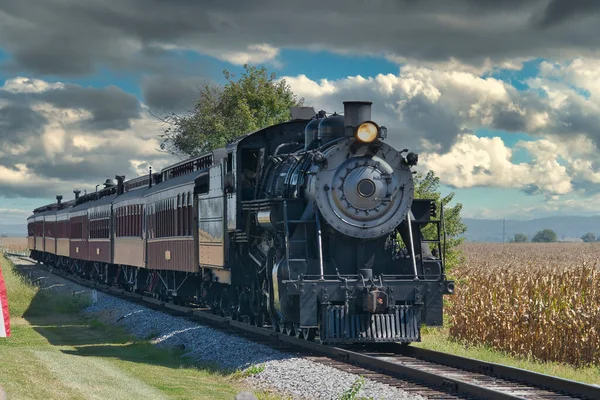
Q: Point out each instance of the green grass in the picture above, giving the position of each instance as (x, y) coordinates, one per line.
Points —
(56, 352)
(251, 370)
(352, 392)
(438, 339)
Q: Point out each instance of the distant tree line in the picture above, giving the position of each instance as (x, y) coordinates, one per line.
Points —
(590, 237)
(549, 236)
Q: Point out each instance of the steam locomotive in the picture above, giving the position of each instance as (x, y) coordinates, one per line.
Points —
(308, 226)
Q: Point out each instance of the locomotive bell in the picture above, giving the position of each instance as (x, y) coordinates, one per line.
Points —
(109, 182)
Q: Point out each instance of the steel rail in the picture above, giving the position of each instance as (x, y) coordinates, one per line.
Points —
(505, 372)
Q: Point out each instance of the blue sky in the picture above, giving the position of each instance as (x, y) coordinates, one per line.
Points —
(507, 121)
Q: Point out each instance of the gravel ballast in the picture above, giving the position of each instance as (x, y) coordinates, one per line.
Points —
(287, 374)
(295, 376)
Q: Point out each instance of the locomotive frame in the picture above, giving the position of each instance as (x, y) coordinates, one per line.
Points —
(299, 226)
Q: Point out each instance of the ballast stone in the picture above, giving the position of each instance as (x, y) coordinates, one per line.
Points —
(294, 376)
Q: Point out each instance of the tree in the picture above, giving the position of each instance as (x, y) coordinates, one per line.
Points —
(519, 238)
(545, 236)
(427, 187)
(589, 237)
(222, 113)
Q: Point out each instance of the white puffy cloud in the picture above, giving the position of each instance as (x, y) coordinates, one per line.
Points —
(59, 150)
(474, 161)
(435, 105)
(252, 54)
(305, 87)
(437, 110)
(22, 84)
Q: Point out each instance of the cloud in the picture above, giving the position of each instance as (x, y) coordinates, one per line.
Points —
(62, 136)
(474, 161)
(110, 107)
(253, 54)
(18, 122)
(171, 93)
(557, 166)
(106, 108)
(559, 11)
(436, 112)
(69, 37)
(429, 106)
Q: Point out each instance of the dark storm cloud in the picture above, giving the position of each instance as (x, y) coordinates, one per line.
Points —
(69, 37)
(91, 170)
(559, 11)
(171, 94)
(18, 122)
(111, 107)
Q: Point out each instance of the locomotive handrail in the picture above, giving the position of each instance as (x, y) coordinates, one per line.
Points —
(443, 255)
(412, 245)
(319, 242)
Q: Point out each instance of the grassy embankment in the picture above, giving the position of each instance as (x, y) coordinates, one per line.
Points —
(56, 352)
(532, 306)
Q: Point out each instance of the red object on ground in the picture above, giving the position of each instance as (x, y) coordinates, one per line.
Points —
(4, 317)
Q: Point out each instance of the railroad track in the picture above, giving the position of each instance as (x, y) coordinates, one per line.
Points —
(431, 374)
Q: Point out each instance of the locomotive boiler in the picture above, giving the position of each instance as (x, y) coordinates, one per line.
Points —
(308, 226)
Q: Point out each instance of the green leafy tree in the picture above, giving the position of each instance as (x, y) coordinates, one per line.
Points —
(589, 237)
(545, 236)
(222, 113)
(519, 238)
(427, 187)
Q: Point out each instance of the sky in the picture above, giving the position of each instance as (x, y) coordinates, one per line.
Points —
(500, 98)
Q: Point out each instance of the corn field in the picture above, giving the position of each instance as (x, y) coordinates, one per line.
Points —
(541, 301)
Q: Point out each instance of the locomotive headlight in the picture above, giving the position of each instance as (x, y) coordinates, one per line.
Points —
(367, 132)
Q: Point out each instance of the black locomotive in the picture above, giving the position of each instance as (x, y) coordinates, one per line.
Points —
(309, 226)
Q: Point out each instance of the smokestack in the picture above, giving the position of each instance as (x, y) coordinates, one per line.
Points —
(76, 191)
(150, 180)
(58, 201)
(120, 185)
(356, 112)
